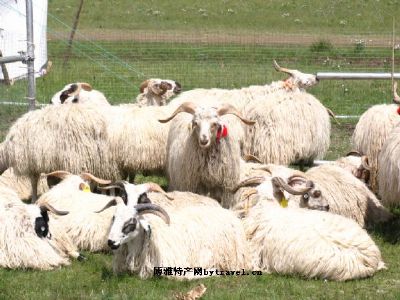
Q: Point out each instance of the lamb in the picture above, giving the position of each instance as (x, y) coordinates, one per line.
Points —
(205, 158)
(192, 236)
(389, 170)
(310, 243)
(70, 137)
(373, 129)
(79, 92)
(156, 91)
(25, 238)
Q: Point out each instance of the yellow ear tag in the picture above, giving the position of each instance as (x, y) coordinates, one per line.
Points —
(284, 202)
(85, 187)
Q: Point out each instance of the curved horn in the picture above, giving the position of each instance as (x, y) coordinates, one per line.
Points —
(278, 181)
(365, 163)
(354, 152)
(249, 192)
(280, 69)
(88, 176)
(150, 208)
(249, 157)
(226, 109)
(188, 107)
(154, 187)
(396, 98)
(60, 174)
(85, 86)
(144, 85)
(292, 179)
(112, 202)
(332, 114)
(47, 207)
(256, 180)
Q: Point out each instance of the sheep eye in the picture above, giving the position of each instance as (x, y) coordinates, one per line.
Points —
(74, 100)
(129, 227)
(306, 196)
(317, 194)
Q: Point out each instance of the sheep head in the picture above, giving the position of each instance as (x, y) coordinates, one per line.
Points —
(206, 121)
(78, 181)
(128, 221)
(161, 87)
(297, 78)
(70, 93)
(311, 198)
(358, 165)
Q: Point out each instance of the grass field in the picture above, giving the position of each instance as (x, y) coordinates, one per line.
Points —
(117, 68)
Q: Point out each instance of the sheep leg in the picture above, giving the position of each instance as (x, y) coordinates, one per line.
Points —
(131, 177)
(34, 184)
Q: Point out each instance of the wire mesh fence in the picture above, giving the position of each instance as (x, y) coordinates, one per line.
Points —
(116, 61)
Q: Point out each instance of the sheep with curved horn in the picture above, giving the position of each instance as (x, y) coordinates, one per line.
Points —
(192, 236)
(309, 243)
(203, 150)
(372, 130)
(156, 91)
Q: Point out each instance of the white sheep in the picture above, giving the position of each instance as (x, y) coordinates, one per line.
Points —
(389, 170)
(22, 184)
(156, 91)
(26, 240)
(356, 164)
(69, 137)
(241, 97)
(208, 237)
(309, 243)
(372, 130)
(79, 92)
(86, 229)
(203, 150)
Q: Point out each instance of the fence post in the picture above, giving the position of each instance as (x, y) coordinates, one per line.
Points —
(30, 55)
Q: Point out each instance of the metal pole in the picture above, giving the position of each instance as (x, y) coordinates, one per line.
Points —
(355, 76)
(30, 55)
(10, 59)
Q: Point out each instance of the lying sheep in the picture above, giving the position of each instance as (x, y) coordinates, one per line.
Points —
(389, 170)
(79, 92)
(86, 229)
(156, 91)
(26, 240)
(69, 137)
(309, 243)
(208, 237)
(202, 157)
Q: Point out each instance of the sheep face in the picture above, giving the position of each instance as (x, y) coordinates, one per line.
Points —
(40, 220)
(303, 80)
(161, 87)
(312, 199)
(128, 222)
(205, 124)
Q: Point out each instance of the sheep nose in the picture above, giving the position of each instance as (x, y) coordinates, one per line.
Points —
(112, 245)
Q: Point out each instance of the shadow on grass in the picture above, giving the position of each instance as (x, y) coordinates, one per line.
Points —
(389, 231)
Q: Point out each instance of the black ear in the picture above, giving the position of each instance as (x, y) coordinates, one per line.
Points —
(143, 198)
(53, 180)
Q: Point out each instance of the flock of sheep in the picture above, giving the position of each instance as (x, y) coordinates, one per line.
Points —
(233, 202)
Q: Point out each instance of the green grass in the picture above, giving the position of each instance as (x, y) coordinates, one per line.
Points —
(288, 16)
(117, 68)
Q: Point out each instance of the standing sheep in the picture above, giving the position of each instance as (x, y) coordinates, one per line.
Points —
(70, 137)
(202, 156)
(208, 237)
(309, 243)
(372, 130)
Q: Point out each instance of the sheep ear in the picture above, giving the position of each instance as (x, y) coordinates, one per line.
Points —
(86, 86)
(144, 85)
(112, 202)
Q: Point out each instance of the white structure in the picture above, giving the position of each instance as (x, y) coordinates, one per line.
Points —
(13, 35)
